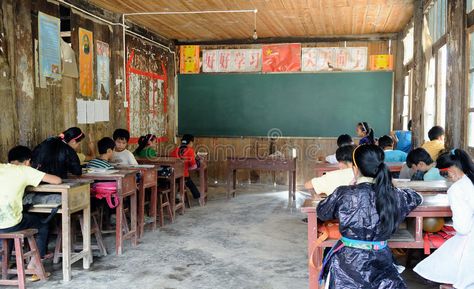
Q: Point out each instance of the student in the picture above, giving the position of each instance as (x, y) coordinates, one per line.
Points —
(122, 155)
(106, 149)
(368, 213)
(452, 262)
(342, 140)
(402, 139)
(186, 152)
(391, 155)
(436, 144)
(422, 166)
(326, 184)
(15, 177)
(366, 133)
(145, 147)
(57, 155)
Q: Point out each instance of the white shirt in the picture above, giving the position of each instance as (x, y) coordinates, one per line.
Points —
(452, 262)
(331, 159)
(124, 157)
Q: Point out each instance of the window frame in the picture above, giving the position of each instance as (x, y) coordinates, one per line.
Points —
(469, 71)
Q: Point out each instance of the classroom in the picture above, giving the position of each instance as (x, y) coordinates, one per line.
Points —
(273, 144)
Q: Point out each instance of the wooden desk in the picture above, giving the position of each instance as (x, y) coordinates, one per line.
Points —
(323, 168)
(424, 187)
(432, 206)
(202, 172)
(148, 180)
(126, 187)
(75, 197)
(177, 174)
(270, 164)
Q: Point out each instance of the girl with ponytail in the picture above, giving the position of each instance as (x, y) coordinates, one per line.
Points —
(146, 146)
(452, 262)
(57, 155)
(366, 133)
(369, 212)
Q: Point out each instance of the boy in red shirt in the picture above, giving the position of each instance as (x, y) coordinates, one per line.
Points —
(186, 152)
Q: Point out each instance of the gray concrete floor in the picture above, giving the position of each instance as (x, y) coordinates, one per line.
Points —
(252, 241)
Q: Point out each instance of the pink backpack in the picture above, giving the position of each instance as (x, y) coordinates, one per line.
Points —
(107, 190)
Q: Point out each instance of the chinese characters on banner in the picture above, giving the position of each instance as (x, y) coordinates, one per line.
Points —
(85, 62)
(334, 58)
(381, 62)
(103, 63)
(281, 57)
(232, 60)
(49, 46)
(189, 59)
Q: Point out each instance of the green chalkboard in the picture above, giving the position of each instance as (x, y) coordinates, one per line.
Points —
(293, 105)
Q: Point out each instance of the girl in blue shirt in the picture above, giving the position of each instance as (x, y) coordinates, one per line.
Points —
(366, 133)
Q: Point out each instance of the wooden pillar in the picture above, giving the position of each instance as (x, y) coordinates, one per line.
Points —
(118, 112)
(399, 86)
(418, 76)
(456, 74)
(24, 72)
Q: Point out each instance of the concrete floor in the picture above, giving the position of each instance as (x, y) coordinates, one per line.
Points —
(252, 241)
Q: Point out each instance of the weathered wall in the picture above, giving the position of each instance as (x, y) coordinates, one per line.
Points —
(31, 113)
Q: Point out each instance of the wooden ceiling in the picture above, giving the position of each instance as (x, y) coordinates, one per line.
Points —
(275, 18)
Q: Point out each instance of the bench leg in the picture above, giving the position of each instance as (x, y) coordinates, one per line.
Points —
(36, 260)
(20, 264)
(5, 259)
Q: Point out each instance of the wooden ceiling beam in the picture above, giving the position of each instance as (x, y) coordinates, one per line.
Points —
(337, 38)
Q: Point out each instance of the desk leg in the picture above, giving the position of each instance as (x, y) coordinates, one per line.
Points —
(66, 236)
(234, 182)
(141, 209)
(294, 185)
(290, 187)
(133, 217)
(86, 238)
(312, 237)
(118, 221)
(229, 181)
(153, 205)
(182, 191)
(202, 186)
(173, 195)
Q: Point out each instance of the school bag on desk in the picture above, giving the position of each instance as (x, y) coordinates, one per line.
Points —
(107, 190)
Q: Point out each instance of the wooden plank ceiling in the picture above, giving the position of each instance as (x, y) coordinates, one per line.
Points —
(275, 18)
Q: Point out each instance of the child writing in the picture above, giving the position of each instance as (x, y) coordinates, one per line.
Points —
(122, 155)
(15, 177)
(422, 166)
(342, 140)
(391, 155)
(366, 133)
(436, 144)
(57, 155)
(106, 149)
(326, 184)
(452, 262)
(369, 212)
(186, 152)
(146, 144)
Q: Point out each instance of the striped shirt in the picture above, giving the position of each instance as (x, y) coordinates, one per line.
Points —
(99, 163)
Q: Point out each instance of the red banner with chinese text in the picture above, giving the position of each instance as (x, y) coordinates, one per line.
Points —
(281, 57)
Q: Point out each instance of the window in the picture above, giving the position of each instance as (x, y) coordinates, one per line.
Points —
(408, 43)
(430, 98)
(436, 17)
(406, 112)
(441, 70)
(470, 5)
(470, 120)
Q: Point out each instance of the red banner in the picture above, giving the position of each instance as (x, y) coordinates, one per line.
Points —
(281, 57)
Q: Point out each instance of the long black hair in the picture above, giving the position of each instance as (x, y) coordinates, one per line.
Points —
(369, 159)
(458, 158)
(72, 133)
(185, 141)
(143, 142)
(369, 132)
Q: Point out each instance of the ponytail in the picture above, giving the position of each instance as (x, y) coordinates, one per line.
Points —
(143, 142)
(458, 158)
(369, 159)
(371, 136)
(385, 200)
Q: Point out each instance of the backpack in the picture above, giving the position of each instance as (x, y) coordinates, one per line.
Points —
(107, 190)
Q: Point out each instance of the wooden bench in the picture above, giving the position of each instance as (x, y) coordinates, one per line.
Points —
(20, 270)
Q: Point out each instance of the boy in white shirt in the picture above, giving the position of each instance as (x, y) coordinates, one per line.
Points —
(326, 184)
(122, 155)
(15, 177)
(342, 140)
